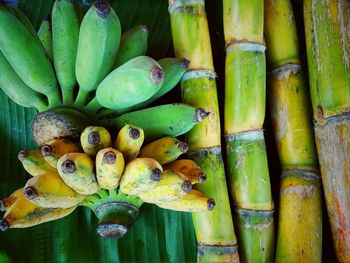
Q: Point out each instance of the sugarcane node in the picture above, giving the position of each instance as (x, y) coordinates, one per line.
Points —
(109, 157)
(46, 150)
(68, 166)
(4, 225)
(185, 63)
(2, 206)
(319, 112)
(111, 230)
(30, 193)
(210, 204)
(202, 177)
(157, 74)
(22, 155)
(143, 27)
(102, 8)
(134, 133)
(156, 174)
(94, 138)
(186, 186)
(199, 115)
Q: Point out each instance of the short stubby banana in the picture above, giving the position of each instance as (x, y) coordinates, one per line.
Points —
(95, 138)
(188, 169)
(45, 36)
(7, 202)
(34, 163)
(129, 141)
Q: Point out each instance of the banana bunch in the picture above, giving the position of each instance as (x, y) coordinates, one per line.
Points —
(111, 177)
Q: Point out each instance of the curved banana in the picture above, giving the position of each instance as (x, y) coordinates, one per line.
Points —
(98, 44)
(188, 169)
(170, 187)
(65, 35)
(109, 168)
(95, 138)
(56, 148)
(139, 175)
(24, 213)
(45, 36)
(77, 170)
(129, 141)
(7, 202)
(135, 81)
(164, 150)
(34, 163)
(133, 43)
(194, 201)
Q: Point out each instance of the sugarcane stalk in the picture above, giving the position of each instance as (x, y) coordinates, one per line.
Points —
(244, 116)
(214, 230)
(327, 34)
(299, 236)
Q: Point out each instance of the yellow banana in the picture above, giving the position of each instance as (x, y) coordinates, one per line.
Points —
(49, 191)
(139, 175)
(34, 163)
(24, 213)
(129, 141)
(77, 171)
(109, 168)
(95, 138)
(56, 148)
(188, 169)
(7, 202)
(164, 150)
(171, 187)
(194, 201)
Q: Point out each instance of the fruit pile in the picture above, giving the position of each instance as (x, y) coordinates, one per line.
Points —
(112, 181)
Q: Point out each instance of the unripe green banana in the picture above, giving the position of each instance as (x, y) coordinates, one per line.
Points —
(34, 163)
(129, 141)
(164, 150)
(17, 90)
(7, 202)
(133, 43)
(133, 82)
(45, 36)
(95, 138)
(99, 39)
(188, 169)
(65, 35)
(156, 122)
(25, 53)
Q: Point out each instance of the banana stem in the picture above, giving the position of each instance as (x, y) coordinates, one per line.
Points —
(41, 106)
(67, 95)
(54, 99)
(93, 106)
(81, 98)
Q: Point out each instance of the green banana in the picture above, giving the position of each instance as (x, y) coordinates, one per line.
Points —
(27, 56)
(133, 43)
(95, 138)
(65, 35)
(165, 120)
(129, 141)
(34, 163)
(99, 39)
(17, 90)
(45, 36)
(133, 82)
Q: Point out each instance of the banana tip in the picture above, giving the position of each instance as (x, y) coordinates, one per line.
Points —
(185, 63)
(94, 138)
(156, 174)
(68, 166)
(157, 74)
(29, 193)
(102, 8)
(4, 225)
(200, 114)
(46, 150)
(111, 230)
(183, 147)
(134, 133)
(186, 186)
(2, 206)
(109, 157)
(210, 204)
(22, 155)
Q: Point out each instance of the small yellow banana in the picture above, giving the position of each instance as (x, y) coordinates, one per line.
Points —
(95, 138)
(188, 169)
(34, 163)
(139, 175)
(7, 202)
(56, 148)
(194, 201)
(129, 141)
(24, 213)
(109, 168)
(49, 191)
(77, 171)
(171, 187)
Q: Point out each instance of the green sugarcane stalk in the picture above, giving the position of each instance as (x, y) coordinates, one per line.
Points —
(327, 33)
(244, 116)
(299, 236)
(214, 230)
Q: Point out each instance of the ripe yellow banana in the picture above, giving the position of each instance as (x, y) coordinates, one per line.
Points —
(7, 202)
(171, 187)
(24, 213)
(49, 191)
(188, 169)
(34, 163)
(129, 141)
(139, 175)
(95, 138)
(164, 150)
(78, 171)
(109, 168)
(56, 148)
(194, 201)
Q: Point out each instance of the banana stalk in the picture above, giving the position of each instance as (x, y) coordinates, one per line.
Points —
(214, 229)
(299, 237)
(244, 116)
(327, 33)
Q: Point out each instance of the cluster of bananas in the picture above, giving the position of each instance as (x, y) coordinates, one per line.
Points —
(81, 61)
(112, 181)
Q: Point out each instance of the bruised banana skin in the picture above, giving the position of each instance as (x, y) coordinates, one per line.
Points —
(164, 150)
(135, 81)
(139, 175)
(194, 201)
(95, 138)
(133, 43)
(45, 36)
(129, 141)
(170, 187)
(77, 171)
(109, 168)
(34, 163)
(188, 169)
(7, 202)
(49, 191)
